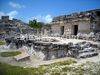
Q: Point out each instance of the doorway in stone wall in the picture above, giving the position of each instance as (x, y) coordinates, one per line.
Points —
(75, 29)
(62, 30)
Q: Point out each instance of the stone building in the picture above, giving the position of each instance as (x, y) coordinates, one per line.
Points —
(46, 30)
(82, 22)
(11, 27)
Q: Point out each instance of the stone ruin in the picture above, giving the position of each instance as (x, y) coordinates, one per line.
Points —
(91, 36)
(50, 48)
(83, 49)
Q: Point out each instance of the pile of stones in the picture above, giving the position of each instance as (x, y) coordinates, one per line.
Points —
(91, 36)
(83, 50)
(78, 50)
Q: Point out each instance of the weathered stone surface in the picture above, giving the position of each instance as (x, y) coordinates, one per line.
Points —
(72, 25)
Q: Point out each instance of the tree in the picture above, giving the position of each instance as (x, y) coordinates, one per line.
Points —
(35, 25)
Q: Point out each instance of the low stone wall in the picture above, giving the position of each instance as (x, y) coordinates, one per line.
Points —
(50, 50)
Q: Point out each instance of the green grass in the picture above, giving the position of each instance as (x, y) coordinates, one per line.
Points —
(9, 54)
(6, 69)
(67, 62)
(52, 69)
(62, 63)
(2, 42)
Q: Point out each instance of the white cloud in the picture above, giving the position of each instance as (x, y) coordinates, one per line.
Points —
(48, 18)
(16, 5)
(44, 18)
(11, 14)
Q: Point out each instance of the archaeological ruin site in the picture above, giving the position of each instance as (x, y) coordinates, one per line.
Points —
(74, 36)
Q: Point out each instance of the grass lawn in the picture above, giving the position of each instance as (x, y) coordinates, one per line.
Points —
(9, 54)
(6, 69)
(58, 68)
(2, 42)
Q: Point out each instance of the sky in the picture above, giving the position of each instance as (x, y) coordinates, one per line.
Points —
(44, 10)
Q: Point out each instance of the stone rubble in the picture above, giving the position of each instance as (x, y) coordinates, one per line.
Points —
(50, 48)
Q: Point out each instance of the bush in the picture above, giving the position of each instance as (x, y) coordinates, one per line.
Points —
(9, 54)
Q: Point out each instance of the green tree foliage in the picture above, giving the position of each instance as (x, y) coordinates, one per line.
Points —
(35, 25)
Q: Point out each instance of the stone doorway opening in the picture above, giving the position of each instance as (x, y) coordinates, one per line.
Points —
(75, 29)
(62, 30)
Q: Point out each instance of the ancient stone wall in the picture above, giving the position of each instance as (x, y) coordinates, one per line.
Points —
(83, 22)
